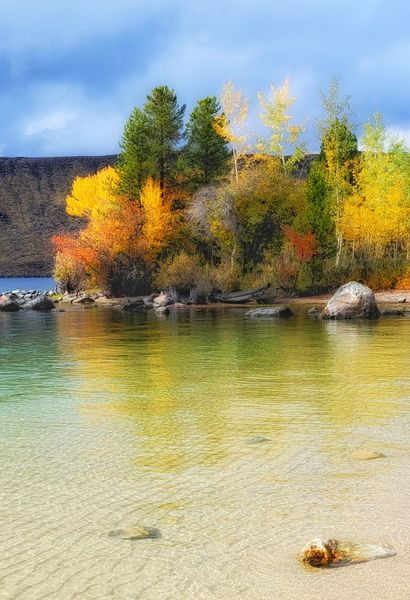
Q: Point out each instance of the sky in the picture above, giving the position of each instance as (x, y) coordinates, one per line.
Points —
(71, 71)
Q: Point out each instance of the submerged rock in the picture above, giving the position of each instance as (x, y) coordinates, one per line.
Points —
(257, 439)
(352, 301)
(276, 312)
(331, 552)
(313, 312)
(392, 312)
(366, 455)
(162, 310)
(136, 532)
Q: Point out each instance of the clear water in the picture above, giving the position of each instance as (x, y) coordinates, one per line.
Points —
(8, 284)
(110, 420)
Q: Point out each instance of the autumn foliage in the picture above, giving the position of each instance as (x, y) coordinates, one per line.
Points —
(265, 213)
(116, 249)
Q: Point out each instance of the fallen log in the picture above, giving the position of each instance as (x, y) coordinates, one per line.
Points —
(243, 296)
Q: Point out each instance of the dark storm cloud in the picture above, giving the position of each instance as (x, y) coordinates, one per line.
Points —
(71, 71)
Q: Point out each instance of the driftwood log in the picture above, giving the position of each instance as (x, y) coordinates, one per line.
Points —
(243, 296)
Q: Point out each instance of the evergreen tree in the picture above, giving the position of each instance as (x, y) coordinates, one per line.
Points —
(206, 151)
(318, 212)
(164, 127)
(149, 146)
(134, 161)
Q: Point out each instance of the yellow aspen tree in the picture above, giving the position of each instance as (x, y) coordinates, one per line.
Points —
(231, 124)
(338, 150)
(94, 194)
(275, 116)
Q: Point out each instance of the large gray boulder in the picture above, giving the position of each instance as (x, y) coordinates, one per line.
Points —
(352, 301)
(7, 304)
(276, 312)
(40, 303)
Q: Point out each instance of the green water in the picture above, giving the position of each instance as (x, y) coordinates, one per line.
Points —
(110, 420)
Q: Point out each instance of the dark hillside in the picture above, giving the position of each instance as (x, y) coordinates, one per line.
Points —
(32, 208)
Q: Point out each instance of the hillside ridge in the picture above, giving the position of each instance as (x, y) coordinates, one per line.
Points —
(32, 208)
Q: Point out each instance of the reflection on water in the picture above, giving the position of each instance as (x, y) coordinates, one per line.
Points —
(113, 420)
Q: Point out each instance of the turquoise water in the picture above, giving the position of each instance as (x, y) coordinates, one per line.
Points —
(111, 420)
(7, 284)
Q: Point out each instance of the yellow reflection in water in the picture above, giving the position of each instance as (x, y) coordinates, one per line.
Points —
(193, 388)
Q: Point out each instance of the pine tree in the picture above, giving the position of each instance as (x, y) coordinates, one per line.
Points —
(318, 211)
(134, 161)
(149, 146)
(206, 151)
(164, 126)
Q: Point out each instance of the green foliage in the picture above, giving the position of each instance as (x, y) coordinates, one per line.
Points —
(165, 121)
(134, 161)
(318, 210)
(149, 146)
(206, 151)
(183, 272)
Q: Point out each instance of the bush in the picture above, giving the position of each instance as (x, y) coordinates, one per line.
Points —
(225, 277)
(182, 272)
(68, 274)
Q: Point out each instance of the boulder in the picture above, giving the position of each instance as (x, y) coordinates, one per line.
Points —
(162, 300)
(276, 312)
(392, 312)
(40, 303)
(83, 300)
(352, 301)
(8, 304)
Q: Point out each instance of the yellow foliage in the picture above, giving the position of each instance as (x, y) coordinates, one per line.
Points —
(158, 218)
(377, 212)
(93, 195)
(276, 117)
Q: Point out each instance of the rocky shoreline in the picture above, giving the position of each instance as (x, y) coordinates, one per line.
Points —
(160, 302)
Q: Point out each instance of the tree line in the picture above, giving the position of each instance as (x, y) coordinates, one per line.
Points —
(208, 206)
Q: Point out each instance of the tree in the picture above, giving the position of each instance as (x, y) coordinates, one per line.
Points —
(134, 161)
(164, 126)
(206, 150)
(318, 211)
(149, 146)
(118, 248)
(338, 149)
(275, 116)
(376, 215)
(230, 125)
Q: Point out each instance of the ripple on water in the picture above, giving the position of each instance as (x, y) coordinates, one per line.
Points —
(110, 420)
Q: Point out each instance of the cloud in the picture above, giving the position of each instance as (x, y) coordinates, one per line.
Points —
(71, 71)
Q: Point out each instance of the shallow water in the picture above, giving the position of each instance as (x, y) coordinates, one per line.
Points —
(110, 420)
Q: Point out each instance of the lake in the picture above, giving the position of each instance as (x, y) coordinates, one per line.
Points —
(111, 419)
(8, 284)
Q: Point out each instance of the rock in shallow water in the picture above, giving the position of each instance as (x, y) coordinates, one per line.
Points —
(366, 455)
(257, 439)
(40, 303)
(277, 312)
(136, 532)
(331, 552)
(392, 312)
(352, 301)
(8, 305)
